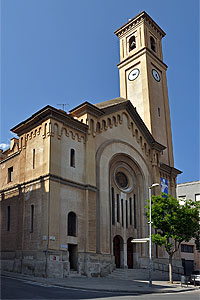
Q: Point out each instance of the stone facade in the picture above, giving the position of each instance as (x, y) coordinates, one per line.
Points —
(74, 186)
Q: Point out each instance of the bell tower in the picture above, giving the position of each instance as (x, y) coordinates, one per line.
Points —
(143, 80)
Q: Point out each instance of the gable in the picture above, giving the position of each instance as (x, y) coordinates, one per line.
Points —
(113, 112)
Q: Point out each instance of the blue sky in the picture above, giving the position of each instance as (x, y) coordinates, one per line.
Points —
(65, 51)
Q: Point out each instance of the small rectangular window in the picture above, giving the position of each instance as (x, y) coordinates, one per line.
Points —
(134, 207)
(32, 218)
(182, 199)
(113, 206)
(122, 211)
(33, 158)
(118, 209)
(72, 158)
(8, 219)
(197, 197)
(126, 214)
(187, 248)
(130, 210)
(10, 174)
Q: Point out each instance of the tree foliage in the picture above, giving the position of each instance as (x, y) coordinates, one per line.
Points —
(174, 222)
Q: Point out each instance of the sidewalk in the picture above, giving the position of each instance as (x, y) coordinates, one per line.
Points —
(107, 284)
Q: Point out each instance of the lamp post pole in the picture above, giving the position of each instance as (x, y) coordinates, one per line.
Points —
(150, 236)
(150, 241)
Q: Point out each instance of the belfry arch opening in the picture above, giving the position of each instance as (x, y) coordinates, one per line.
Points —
(132, 43)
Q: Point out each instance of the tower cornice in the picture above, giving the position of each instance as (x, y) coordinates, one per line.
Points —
(141, 17)
(138, 54)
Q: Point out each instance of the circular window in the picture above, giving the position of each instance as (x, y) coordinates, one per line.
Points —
(123, 177)
(121, 180)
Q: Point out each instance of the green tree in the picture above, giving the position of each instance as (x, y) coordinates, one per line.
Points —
(174, 223)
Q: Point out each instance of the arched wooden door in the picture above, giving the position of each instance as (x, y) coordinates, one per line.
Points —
(116, 250)
(130, 253)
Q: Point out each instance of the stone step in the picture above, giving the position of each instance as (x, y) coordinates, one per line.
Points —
(75, 274)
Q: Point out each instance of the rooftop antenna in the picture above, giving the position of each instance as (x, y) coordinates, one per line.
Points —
(63, 105)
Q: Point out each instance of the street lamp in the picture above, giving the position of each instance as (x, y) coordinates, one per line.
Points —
(150, 235)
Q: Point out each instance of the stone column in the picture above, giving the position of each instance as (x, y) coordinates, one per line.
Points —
(125, 265)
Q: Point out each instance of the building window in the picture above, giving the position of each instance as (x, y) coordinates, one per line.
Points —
(132, 43)
(10, 174)
(182, 199)
(33, 158)
(153, 44)
(121, 180)
(197, 197)
(159, 111)
(8, 219)
(72, 158)
(130, 210)
(32, 218)
(187, 248)
(126, 214)
(72, 224)
(118, 209)
(122, 211)
(134, 207)
(113, 206)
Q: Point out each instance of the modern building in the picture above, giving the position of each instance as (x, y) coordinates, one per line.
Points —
(189, 254)
(74, 185)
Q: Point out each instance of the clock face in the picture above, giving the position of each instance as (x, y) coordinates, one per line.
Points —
(156, 75)
(133, 74)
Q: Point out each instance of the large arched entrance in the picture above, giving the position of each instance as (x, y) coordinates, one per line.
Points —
(117, 250)
(130, 253)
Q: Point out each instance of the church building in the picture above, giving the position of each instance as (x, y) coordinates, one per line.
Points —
(74, 185)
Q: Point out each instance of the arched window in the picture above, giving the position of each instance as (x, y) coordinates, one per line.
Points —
(71, 224)
(104, 124)
(153, 44)
(132, 43)
(72, 158)
(98, 127)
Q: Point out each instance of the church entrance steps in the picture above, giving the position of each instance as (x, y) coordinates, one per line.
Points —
(75, 274)
(138, 274)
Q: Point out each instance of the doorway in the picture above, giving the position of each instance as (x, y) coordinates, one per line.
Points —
(72, 256)
(117, 249)
(130, 253)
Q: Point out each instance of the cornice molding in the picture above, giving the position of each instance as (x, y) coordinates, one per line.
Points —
(169, 170)
(49, 176)
(86, 108)
(127, 105)
(144, 50)
(46, 113)
(9, 157)
(141, 17)
(72, 183)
